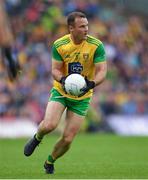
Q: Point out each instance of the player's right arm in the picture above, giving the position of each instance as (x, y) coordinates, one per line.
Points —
(57, 69)
(57, 64)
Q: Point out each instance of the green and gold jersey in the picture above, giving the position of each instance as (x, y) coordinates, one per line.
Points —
(79, 58)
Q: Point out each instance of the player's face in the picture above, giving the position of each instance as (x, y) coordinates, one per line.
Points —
(80, 29)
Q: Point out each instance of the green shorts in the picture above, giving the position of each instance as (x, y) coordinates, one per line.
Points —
(79, 107)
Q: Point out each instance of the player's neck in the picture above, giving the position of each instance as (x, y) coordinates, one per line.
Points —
(75, 40)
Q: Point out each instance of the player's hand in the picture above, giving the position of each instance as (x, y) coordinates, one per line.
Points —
(89, 85)
(62, 81)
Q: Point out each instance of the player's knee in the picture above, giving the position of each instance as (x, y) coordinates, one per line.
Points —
(49, 126)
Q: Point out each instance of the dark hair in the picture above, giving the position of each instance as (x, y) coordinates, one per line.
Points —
(72, 16)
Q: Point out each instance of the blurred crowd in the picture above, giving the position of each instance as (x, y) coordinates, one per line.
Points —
(37, 23)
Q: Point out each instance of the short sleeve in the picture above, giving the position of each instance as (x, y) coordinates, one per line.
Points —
(99, 55)
(55, 54)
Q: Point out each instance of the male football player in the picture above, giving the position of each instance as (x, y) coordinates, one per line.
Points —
(76, 52)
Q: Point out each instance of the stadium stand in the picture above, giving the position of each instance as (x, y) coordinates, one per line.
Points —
(36, 24)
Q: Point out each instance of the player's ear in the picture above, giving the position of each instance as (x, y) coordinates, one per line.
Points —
(70, 28)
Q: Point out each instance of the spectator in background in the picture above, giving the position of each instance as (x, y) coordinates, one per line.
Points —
(126, 42)
(6, 41)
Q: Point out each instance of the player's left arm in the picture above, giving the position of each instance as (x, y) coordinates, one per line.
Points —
(100, 65)
(100, 69)
(100, 72)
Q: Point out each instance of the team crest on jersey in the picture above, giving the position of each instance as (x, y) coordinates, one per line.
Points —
(85, 56)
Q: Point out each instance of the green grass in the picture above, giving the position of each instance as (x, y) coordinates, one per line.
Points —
(91, 156)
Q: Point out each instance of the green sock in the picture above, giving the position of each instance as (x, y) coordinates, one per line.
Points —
(38, 137)
(50, 159)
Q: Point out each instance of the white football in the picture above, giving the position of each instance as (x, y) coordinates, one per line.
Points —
(74, 83)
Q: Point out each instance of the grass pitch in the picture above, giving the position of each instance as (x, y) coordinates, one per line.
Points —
(92, 156)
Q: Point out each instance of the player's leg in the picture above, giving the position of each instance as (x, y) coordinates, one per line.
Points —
(51, 119)
(72, 126)
(75, 116)
(52, 116)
